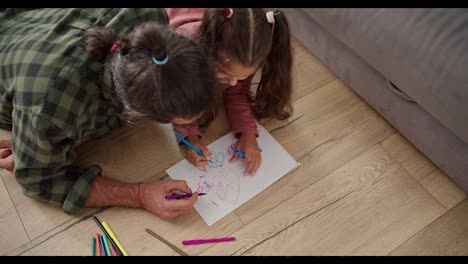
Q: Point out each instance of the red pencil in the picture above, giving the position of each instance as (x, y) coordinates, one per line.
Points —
(98, 245)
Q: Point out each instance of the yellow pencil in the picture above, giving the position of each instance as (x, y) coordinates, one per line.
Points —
(112, 235)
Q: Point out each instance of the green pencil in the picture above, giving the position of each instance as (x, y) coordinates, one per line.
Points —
(106, 244)
(93, 246)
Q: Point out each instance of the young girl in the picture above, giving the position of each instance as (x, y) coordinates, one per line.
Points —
(66, 80)
(241, 41)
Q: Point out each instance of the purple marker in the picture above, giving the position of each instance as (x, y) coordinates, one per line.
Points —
(180, 196)
(211, 240)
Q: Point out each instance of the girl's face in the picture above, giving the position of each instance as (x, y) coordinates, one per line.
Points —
(230, 72)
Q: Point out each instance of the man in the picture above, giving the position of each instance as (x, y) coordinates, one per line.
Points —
(54, 97)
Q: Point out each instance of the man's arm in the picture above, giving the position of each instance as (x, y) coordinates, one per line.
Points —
(43, 167)
(43, 160)
(108, 192)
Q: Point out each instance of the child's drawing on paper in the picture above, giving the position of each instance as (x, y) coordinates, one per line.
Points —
(223, 182)
(228, 185)
(217, 160)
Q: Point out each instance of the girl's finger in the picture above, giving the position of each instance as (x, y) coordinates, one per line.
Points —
(234, 157)
(250, 166)
(206, 153)
(257, 164)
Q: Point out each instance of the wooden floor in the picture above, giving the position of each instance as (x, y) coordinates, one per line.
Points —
(362, 189)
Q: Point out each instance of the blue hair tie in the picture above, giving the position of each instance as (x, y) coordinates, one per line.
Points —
(160, 62)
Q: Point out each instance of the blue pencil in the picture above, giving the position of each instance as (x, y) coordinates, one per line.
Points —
(183, 140)
(103, 248)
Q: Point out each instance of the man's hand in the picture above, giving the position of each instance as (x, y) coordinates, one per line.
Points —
(6, 155)
(152, 197)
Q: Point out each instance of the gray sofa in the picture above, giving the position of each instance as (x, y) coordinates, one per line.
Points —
(411, 65)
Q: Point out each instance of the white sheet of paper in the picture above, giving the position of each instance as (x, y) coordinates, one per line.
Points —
(226, 186)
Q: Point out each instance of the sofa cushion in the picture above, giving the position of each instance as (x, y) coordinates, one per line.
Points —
(424, 52)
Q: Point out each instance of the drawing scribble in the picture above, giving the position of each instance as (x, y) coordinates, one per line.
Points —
(228, 185)
(217, 160)
(225, 185)
(200, 189)
(207, 186)
(204, 186)
(231, 149)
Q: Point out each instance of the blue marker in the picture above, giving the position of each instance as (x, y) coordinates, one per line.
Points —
(183, 140)
(242, 154)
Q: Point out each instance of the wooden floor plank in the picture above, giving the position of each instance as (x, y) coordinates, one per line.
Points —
(38, 218)
(370, 221)
(428, 175)
(12, 231)
(408, 156)
(447, 236)
(308, 73)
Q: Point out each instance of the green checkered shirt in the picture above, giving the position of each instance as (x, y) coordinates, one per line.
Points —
(52, 95)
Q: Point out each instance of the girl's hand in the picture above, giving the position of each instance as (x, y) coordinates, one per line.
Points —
(247, 143)
(193, 157)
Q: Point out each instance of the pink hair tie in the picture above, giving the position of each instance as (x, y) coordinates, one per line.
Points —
(271, 19)
(113, 48)
(228, 13)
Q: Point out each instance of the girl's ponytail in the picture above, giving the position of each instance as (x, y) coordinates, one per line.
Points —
(275, 88)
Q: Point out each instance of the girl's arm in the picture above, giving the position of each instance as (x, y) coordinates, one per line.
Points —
(239, 107)
(239, 111)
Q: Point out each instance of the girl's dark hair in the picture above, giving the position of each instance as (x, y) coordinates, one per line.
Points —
(249, 38)
(182, 87)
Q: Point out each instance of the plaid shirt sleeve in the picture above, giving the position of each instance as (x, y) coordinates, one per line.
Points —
(52, 95)
(43, 163)
(44, 151)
